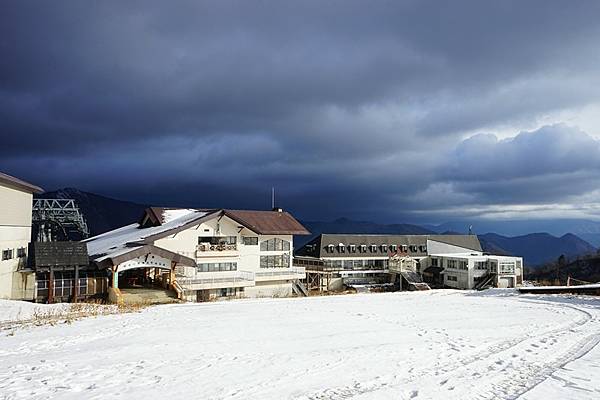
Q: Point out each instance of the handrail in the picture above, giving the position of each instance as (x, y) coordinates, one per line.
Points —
(217, 277)
(178, 289)
(283, 271)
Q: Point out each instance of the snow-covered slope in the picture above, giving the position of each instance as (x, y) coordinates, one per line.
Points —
(429, 345)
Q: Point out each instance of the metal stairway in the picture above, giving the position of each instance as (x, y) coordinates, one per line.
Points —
(485, 283)
(414, 281)
(299, 288)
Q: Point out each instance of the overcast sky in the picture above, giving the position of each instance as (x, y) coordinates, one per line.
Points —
(397, 111)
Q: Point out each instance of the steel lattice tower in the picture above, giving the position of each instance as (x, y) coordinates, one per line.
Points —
(57, 220)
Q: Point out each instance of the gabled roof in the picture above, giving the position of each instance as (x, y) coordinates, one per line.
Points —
(129, 253)
(19, 184)
(160, 222)
(268, 222)
(117, 240)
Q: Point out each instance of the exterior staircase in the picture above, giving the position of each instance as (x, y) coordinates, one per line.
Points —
(485, 283)
(414, 281)
(299, 288)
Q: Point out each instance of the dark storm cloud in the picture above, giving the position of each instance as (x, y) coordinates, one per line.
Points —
(339, 104)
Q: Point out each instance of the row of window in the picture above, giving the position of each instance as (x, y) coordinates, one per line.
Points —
(217, 267)
(457, 264)
(217, 240)
(373, 248)
(357, 264)
(275, 244)
(9, 254)
(278, 261)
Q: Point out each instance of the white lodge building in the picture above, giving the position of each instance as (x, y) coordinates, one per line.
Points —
(16, 200)
(204, 254)
(335, 261)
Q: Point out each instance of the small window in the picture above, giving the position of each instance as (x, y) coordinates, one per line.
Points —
(250, 241)
(373, 248)
(394, 247)
(330, 248)
(363, 248)
(384, 247)
(352, 248)
(7, 255)
(21, 252)
(404, 248)
(341, 248)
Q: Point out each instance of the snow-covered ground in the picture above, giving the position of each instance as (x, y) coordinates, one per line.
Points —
(429, 345)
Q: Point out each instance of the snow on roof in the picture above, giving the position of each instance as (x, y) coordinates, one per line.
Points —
(171, 214)
(114, 242)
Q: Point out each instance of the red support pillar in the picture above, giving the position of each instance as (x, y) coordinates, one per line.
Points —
(51, 285)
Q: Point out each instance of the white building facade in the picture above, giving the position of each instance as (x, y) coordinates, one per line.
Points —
(475, 270)
(16, 200)
(335, 261)
(207, 254)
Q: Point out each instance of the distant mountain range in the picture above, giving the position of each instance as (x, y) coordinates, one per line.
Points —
(536, 248)
(103, 214)
(588, 230)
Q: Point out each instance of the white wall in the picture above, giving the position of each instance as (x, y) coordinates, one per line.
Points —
(247, 257)
(15, 232)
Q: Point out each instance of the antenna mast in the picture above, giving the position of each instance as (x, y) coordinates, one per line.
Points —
(272, 198)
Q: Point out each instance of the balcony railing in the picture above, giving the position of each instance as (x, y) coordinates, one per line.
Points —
(281, 273)
(216, 247)
(215, 280)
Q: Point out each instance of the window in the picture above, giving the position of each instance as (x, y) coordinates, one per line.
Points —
(352, 248)
(277, 244)
(434, 262)
(21, 252)
(423, 248)
(507, 267)
(7, 254)
(341, 248)
(481, 265)
(394, 247)
(363, 248)
(404, 248)
(451, 263)
(216, 240)
(329, 248)
(250, 241)
(373, 248)
(217, 267)
(278, 261)
(384, 247)
(452, 278)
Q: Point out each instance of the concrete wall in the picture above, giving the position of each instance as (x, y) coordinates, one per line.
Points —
(269, 289)
(15, 233)
(466, 278)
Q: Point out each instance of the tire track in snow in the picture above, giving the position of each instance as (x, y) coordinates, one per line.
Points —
(522, 383)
